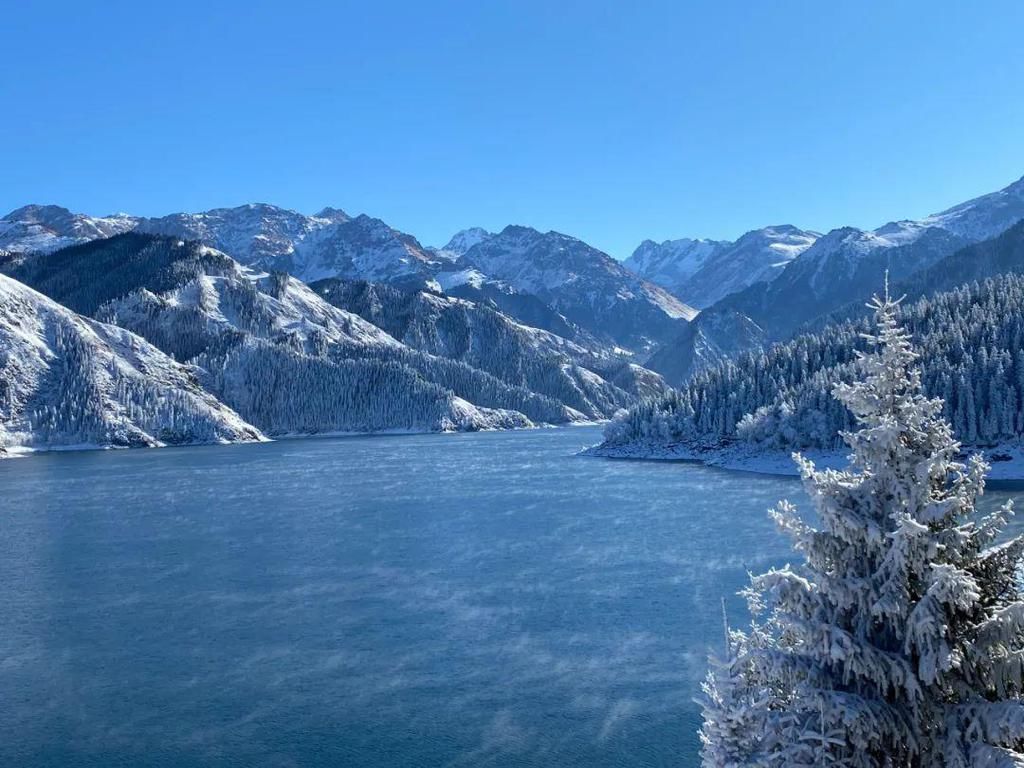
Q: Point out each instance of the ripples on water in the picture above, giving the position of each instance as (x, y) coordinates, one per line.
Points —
(458, 600)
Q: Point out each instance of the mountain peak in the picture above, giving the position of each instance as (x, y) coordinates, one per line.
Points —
(332, 214)
(36, 213)
(465, 239)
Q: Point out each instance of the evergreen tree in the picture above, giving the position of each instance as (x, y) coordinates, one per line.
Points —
(900, 640)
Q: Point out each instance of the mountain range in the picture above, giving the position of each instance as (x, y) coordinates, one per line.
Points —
(266, 321)
(841, 268)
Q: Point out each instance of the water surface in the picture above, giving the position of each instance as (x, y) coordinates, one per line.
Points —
(433, 600)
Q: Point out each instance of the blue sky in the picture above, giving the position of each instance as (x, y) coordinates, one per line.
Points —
(613, 122)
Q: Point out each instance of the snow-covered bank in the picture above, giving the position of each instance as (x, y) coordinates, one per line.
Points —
(1007, 460)
(22, 451)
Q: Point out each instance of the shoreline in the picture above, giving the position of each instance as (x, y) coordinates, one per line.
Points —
(27, 451)
(1006, 461)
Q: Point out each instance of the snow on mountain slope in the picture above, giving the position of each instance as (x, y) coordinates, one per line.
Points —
(68, 381)
(273, 349)
(999, 255)
(585, 285)
(46, 228)
(700, 272)
(293, 363)
(848, 264)
(489, 340)
(843, 266)
(758, 256)
(463, 240)
(983, 217)
(255, 234)
(672, 263)
(329, 244)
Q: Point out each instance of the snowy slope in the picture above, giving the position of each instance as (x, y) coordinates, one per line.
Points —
(295, 364)
(672, 263)
(700, 272)
(328, 244)
(848, 264)
(983, 217)
(593, 382)
(463, 240)
(715, 336)
(49, 227)
(587, 286)
(758, 256)
(68, 381)
(273, 349)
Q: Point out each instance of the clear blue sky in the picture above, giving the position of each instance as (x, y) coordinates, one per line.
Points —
(613, 122)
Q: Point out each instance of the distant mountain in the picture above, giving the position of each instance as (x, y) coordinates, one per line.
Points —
(780, 278)
(46, 228)
(560, 283)
(672, 263)
(700, 272)
(848, 264)
(463, 240)
(588, 287)
(983, 217)
(757, 257)
(523, 307)
(1003, 254)
(712, 338)
(68, 381)
(328, 244)
(845, 265)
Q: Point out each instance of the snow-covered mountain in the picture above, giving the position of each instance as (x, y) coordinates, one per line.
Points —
(593, 382)
(587, 286)
(672, 263)
(46, 228)
(328, 244)
(983, 217)
(844, 265)
(289, 361)
(996, 256)
(758, 256)
(779, 277)
(849, 264)
(69, 381)
(700, 272)
(463, 240)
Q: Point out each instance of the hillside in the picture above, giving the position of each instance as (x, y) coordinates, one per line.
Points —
(69, 381)
(971, 342)
(272, 347)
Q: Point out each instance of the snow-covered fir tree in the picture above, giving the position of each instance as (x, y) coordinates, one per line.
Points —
(900, 639)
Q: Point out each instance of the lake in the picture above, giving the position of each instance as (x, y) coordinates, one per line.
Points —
(431, 600)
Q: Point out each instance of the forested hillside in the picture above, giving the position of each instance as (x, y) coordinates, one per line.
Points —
(971, 342)
(66, 380)
(292, 362)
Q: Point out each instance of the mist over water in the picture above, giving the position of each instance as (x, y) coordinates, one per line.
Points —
(435, 600)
